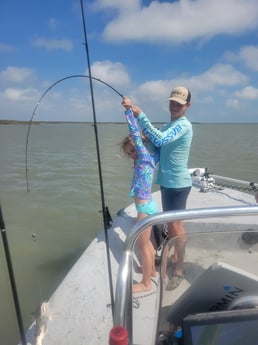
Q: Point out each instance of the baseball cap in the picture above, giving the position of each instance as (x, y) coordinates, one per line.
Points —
(180, 94)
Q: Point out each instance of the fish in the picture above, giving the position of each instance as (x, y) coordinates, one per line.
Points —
(41, 322)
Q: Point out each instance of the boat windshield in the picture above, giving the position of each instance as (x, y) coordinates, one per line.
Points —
(220, 281)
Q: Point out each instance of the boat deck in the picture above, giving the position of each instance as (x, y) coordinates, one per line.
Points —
(76, 313)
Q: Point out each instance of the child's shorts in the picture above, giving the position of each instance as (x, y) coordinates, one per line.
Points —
(149, 207)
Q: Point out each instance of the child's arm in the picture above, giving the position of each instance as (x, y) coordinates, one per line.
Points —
(134, 131)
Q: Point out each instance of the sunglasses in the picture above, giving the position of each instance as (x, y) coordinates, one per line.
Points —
(176, 104)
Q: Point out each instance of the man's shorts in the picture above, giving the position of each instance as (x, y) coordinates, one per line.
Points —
(174, 198)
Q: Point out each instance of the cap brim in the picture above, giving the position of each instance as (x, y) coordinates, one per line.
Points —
(178, 100)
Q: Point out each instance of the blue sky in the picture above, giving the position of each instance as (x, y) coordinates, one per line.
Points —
(141, 48)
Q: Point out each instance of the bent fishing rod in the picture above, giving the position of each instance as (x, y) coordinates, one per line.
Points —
(39, 102)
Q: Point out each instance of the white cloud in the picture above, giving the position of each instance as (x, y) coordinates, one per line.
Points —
(16, 74)
(179, 21)
(16, 95)
(248, 92)
(53, 44)
(223, 74)
(216, 79)
(111, 72)
(249, 55)
(214, 86)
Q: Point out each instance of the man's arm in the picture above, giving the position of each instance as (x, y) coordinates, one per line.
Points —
(156, 136)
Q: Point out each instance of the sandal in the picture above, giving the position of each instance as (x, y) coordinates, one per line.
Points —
(174, 282)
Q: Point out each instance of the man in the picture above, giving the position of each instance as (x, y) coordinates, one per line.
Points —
(174, 140)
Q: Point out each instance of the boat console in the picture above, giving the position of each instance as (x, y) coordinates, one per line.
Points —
(217, 303)
(218, 288)
(220, 307)
(238, 326)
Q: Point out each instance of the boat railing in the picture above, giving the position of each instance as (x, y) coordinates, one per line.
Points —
(123, 297)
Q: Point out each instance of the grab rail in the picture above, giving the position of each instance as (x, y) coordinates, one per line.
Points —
(123, 296)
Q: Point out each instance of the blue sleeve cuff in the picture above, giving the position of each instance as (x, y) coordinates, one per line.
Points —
(141, 115)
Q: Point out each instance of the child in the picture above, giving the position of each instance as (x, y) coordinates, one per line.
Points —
(145, 160)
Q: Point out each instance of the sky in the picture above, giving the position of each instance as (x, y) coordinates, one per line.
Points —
(140, 49)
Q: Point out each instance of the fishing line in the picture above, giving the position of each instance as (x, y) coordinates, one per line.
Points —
(36, 251)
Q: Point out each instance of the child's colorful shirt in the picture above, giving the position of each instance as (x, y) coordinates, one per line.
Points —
(145, 165)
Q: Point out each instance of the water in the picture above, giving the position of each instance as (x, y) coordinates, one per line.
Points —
(49, 226)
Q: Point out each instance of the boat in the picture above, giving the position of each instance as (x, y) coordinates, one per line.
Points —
(220, 285)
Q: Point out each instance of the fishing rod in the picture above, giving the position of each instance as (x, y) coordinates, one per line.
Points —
(12, 279)
(105, 212)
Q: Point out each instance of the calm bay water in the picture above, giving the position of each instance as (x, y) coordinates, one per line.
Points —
(49, 226)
